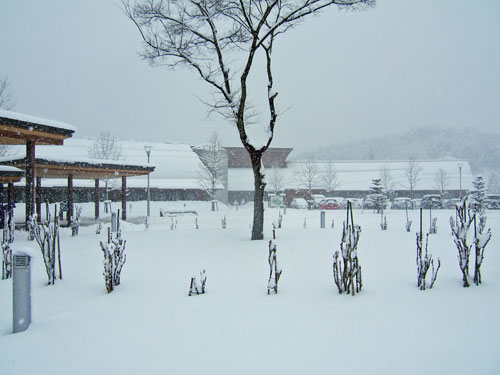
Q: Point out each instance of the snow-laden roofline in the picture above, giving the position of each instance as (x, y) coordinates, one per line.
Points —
(15, 118)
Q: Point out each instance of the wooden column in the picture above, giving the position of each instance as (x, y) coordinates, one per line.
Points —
(29, 189)
(96, 198)
(39, 199)
(70, 199)
(124, 198)
(11, 193)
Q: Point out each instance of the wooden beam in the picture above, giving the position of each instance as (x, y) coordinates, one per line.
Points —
(20, 135)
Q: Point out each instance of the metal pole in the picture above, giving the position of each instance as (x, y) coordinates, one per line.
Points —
(148, 153)
(460, 178)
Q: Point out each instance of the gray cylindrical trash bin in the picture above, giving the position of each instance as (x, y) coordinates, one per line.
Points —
(322, 219)
(21, 292)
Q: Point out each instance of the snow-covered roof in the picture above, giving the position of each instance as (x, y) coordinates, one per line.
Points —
(358, 175)
(35, 120)
(8, 169)
(176, 164)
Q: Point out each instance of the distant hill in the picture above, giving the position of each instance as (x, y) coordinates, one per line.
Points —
(481, 149)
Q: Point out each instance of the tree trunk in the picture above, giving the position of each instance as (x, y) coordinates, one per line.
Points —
(258, 200)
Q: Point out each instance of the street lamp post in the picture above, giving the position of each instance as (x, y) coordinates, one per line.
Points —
(460, 179)
(148, 153)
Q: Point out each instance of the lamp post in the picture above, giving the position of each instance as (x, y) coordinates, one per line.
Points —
(460, 178)
(148, 153)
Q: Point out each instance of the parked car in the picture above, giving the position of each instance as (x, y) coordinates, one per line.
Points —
(299, 203)
(401, 203)
(328, 204)
(451, 204)
(431, 201)
(492, 201)
(316, 198)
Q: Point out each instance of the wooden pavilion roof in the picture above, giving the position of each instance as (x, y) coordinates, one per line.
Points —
(10, 174)
(82, 169)
(16, 129)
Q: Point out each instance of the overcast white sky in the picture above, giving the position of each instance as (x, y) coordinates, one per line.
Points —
(341, 75)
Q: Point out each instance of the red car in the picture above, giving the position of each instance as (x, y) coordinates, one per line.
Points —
(328, 204)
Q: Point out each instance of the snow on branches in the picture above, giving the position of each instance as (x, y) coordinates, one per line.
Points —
(114, 259)
(7, 225)
(198, 285)
(47, 236)
(424, 263)
(481, 239)
(460, 229)
(274, 269)
(346, 269)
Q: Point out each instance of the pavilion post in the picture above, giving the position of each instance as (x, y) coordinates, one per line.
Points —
(39, 199)
(69, 215)
(11, 193)
(124, 198)
(96, 198)
(29, 188)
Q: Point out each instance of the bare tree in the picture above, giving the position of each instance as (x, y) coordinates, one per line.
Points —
(442, 180)
(105, 147)
(386, 179)
(329, 177)
(412, 171)
(275, 178)
(213, 170)
(7, 100)
(309, 174)
(211, 37)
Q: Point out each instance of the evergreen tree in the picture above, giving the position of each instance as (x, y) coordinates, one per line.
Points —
(478, 193)
(377, 194)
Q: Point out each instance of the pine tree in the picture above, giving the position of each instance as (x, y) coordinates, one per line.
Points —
(478, 193)
(377, 194)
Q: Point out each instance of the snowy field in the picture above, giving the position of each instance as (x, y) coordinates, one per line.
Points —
(149, 325)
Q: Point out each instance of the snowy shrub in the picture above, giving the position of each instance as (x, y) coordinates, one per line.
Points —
(98, 229)
(114, 259)
(346, 269)
(280, 220)
(460, 229)
(198, 285)
(32, 223)
(75, 222)
(173, 224)
(47, 236)
(481, 239)
(424, 262)
(7, 225)
(274, 269)
(6, 261)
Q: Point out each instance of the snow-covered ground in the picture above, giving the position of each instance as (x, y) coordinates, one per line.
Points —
(149, 325)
